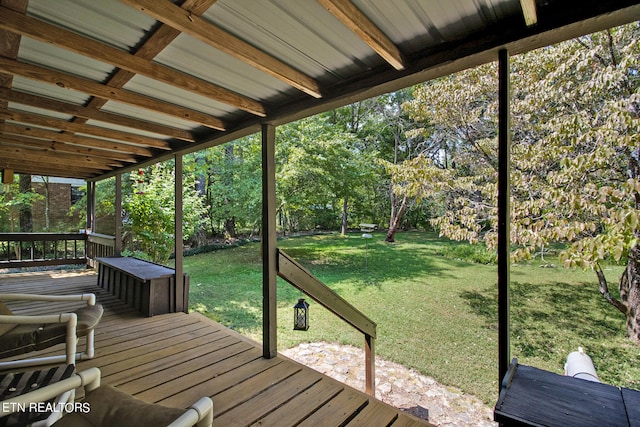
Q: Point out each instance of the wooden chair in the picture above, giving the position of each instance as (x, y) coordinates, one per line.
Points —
(105, 405)
(22, 334)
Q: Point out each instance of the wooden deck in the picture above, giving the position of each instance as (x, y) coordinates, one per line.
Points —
(174, 359)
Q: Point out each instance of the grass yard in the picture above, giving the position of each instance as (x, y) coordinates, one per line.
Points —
(436, 309)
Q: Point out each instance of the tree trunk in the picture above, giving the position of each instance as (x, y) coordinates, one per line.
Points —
(345, 222)
(629, 284)
(395, 220)
(230, 227)
(630, 293)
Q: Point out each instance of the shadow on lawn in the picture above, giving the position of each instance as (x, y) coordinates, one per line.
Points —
(370, 262)
(546, 316)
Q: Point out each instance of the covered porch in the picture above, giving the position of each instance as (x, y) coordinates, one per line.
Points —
(174, 359)
(131, 67)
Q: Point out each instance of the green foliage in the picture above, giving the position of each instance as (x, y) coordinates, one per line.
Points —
(11, 201)
(150, 216)
(234, 185)
(435, 312)
(320, 164)
(105, 207)
(575, 132)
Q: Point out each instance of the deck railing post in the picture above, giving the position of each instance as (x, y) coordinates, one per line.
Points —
(370, 365)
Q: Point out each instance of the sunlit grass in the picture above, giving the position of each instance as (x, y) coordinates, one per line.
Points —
(435, 310)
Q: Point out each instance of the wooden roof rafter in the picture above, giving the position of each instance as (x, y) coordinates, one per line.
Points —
(47, 33)
(78, 140)
(80, 84)
(356, 21)
(65, 125)
(26, 142)
(333, 52)
(88, 113)
(184, 21)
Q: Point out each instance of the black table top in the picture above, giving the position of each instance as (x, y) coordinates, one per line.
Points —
(534, 397)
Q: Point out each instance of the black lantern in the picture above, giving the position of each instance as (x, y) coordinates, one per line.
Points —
(301, 315)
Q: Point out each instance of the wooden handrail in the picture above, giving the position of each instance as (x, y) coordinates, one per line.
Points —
(42, 249)
(301, 278)
(98, 246)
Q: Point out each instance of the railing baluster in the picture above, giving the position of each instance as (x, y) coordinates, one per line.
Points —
(44, 250)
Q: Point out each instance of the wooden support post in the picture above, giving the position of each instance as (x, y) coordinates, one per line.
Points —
(91, 205)
(504, 218)
(117, 249)
(179, 268)
(370, 365)
(269, 252)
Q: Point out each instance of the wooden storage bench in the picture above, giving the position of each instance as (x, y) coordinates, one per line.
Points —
(150, 288)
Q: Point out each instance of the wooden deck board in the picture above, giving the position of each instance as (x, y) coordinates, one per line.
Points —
(176, 358)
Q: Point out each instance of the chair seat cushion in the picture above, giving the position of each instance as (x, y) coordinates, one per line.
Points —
(23, 339)
(5, 327)
(16, 384)
(88, 318)
(108, 406)
(26, 338)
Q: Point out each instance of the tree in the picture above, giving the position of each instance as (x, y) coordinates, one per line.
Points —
(233, 185)
(150, 215)
(15, 206)
(323, 167)
(575, 156)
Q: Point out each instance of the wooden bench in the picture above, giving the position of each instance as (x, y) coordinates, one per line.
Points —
(533, 397)
(148, 287)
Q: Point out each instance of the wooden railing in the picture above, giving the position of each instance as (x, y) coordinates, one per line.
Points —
(302, 279)
(49, 249)
(99, 246)
(42, 249)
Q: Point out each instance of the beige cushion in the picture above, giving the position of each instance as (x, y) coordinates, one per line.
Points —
(26, 338)
(88, 318)
(21, 339)
(112, 407)
(5, 327)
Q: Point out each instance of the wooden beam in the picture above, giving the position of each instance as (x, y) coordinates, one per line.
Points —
(93, 114)
(10, 45)
(48, 169)
(529, 12)
(60, 147)
(60, 159)
(156, 42)
(504, 218)
(356, 21)
(84, 141)
(207, 32)
(269, 244)
(47, 33)
(80, 84)
(64, 125)
(178, 236)
(91, 206)
(117, 244)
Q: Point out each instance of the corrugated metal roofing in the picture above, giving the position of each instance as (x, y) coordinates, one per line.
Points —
(434, 37)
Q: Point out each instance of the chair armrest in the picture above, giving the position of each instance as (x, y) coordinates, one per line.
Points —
(90, 298)
(39, 319)
(89, 378)
(200, 414)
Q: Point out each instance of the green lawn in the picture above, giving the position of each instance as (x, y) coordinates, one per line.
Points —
(436, 311)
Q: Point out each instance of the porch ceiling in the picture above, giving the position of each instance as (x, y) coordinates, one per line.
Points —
(90, 88)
